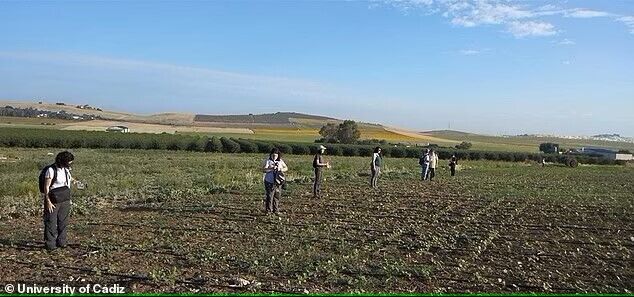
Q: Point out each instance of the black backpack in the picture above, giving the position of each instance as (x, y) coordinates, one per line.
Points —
(42, 179)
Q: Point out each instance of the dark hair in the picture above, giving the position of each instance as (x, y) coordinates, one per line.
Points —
(376, 149)
(276, 151)
(63, 159)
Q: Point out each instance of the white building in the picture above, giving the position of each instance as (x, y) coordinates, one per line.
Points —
(122, 129)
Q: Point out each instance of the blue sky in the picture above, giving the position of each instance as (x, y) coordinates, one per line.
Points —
(488, 66)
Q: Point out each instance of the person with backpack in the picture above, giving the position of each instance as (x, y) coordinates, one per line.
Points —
(318, 166)
(375, 167)
(423, 161)
(274, 180)
(55, 183)
(453, 162)
(433, 163)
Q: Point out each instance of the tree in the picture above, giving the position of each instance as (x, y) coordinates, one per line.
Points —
(348, 132)
(329, 132)
(549, 147)
(464, 145)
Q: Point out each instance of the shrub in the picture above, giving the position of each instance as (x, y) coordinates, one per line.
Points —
(350, 151)
(247, 146)
(300, 149)
(284, 148)
(334, 150)
(229, 146)
(508, 157)
(398, 152)
(264, 147)
(365, 151)
(464, 145)
(476, 155)
(413, 153)
(491, 156)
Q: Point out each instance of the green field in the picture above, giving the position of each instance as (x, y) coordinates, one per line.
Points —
(525, 143)
(193, 222)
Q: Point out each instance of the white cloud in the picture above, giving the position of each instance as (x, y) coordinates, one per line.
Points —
(531, 28)
(585, 13)
(520, 18)
(469, 52)
(628, 21)
(566, 42)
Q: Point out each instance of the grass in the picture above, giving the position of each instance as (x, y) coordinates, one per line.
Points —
(193, 222)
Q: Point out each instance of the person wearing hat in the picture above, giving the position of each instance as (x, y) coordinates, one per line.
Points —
(318, 165)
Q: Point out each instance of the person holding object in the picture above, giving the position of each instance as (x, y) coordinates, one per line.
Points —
(318, 166)
(375, 167)
(55, 183)
(274, 168)
(453, 162)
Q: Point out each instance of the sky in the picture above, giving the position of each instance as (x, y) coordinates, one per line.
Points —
(486, 66)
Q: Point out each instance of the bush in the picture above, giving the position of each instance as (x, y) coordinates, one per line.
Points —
(247, 146)
(300, 149)
(398, 152)
(350, 151)
(464, 145)
(284, 148)
(264, 147)
(334, 150)
(229, 146)
(491, 156)
(365, 151)
(476, 155)
(508, 157)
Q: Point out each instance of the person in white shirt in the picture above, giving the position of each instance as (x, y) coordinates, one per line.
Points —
(57, 200)
(274, 168)
(433, 164)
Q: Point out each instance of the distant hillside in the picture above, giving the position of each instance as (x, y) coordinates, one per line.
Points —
(269, 118)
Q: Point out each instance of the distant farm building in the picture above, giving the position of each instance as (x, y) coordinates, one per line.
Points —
(121, 129)
(607, 153)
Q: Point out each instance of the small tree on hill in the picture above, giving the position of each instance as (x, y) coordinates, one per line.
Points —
(329, 132)
(348, 132)
(464, 145)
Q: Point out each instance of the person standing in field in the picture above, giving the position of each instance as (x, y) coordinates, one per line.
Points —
(433, 163)
(375, 167)
(55, 183)
(274, 168)
(423, 161)
(453, 162)
(318, 166)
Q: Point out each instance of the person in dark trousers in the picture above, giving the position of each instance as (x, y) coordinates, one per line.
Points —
(453, 162)
(57, 200)
(274, 168)
(424, 163)
(375, 167)
(318, 166)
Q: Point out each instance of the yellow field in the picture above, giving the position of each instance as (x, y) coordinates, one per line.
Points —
(100, 125)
